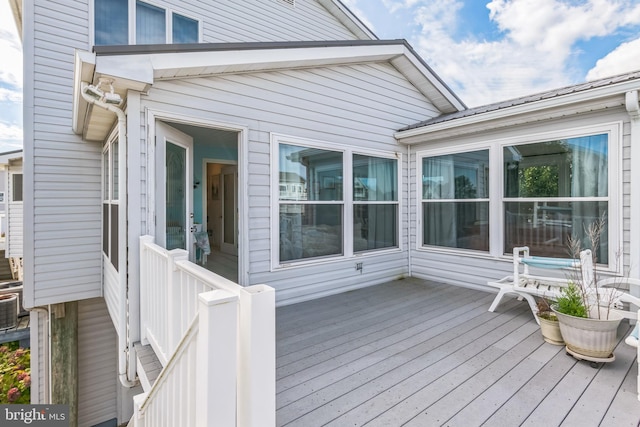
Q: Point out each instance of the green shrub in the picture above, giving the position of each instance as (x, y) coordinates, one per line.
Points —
(570, 302)
(15, 374)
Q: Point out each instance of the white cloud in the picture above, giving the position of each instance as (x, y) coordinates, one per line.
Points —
(10, 49)
(10, 137)
(535, 51)
(625, 58)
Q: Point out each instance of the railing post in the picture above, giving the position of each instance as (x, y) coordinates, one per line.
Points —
(174, 304)
(138, 416)
(144, 287)
(257, 358)
(216, 363)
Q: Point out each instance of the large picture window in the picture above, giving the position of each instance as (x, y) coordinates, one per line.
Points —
(333, 202)
(311, 205)
(455, 200)
(553, 191)
(153, 24)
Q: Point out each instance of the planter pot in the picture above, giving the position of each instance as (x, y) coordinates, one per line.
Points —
(8, 311)
(551, 331)
(590, 337)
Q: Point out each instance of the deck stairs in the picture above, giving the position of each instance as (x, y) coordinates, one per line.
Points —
(206, 354)
(5, 268)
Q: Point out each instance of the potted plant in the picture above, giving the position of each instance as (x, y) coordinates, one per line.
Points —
(588, 325)
(589, 331)
(549, 325)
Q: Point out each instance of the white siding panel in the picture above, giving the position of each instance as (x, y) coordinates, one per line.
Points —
(65, 171)
(97, 363)
(15, 215)
(360, 106)
(260, 20)
(112, 292)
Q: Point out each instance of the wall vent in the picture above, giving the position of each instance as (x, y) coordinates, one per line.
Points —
(289, 2)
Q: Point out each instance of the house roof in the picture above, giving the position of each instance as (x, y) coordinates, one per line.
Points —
(9, 156)
(574, 94)
(136, 67)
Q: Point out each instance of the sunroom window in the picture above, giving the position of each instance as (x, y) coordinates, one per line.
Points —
(455, 200)
(552, 191)
(311, 202)
(153, 24)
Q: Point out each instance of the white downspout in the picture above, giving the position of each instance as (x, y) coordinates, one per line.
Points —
(409, 181)
(126, 373)
(633, 108)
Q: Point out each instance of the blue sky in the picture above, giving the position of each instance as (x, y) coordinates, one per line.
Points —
(485, 50)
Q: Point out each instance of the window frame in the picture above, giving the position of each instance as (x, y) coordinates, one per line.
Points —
(131, 24)
(347, 201)
(497, 198)
(422, 154)
(110, 201)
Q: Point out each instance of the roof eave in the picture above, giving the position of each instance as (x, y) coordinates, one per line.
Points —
(16, 10)
(527, 112)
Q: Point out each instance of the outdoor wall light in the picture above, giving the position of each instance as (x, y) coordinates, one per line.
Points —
(96, 92)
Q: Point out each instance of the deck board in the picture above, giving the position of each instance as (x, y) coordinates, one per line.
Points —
(418, 353)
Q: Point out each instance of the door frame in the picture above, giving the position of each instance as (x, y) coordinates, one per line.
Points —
(243, 176)
(226, 247)
(207, 185)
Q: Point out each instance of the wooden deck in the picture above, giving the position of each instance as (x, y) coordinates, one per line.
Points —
(416, 353)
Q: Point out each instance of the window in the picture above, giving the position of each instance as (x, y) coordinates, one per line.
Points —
(16, 189)
(455, 200)
(110, 206)
(552, 191)
(321, 217)
(535, 190)
(311, 220)
(150, 24)
(375, 203)
(153, 24)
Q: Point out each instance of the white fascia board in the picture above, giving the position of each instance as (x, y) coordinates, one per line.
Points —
(84, 67)
(527, 108)
(172, 65)
(16, 9)
(435, 81)
(127, 73)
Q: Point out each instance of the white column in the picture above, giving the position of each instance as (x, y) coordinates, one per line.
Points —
(216, 363)
(633, 108)
(257, 369)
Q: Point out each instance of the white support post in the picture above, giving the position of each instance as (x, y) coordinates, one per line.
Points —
(138, 416)
(216, 363)
(174, 304)
(257, 370)
(144, 285)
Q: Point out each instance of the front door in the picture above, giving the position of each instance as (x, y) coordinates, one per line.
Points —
(228, 242)
(174, 188)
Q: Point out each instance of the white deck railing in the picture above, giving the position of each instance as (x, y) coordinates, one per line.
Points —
(215, 340)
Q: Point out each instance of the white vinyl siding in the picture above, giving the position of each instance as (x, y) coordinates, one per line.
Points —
(97, 363)
(15, 212)
(474, 270)
(62, 183)
(358, 106)
(260, 20)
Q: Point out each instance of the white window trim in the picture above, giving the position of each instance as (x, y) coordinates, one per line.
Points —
(419, 209)
(496, 183)
(132, 22)
(347, 214)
